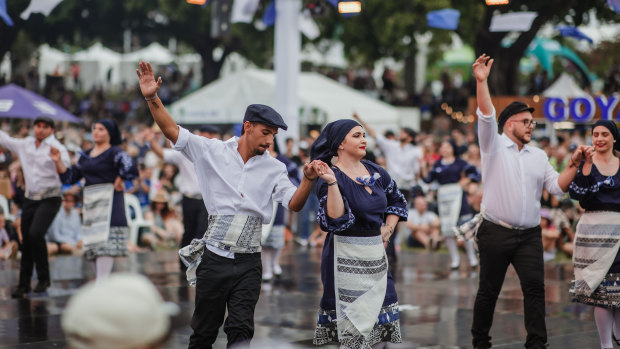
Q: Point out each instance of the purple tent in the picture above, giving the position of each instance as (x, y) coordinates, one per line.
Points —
(17, 102)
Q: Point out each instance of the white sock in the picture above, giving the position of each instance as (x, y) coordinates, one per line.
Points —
(266, 259)
(103, 267)
(471, 253)
(604, 319)
(454, 251)
(277, 269)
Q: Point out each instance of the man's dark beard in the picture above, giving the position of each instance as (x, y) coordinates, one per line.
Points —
(259, 151)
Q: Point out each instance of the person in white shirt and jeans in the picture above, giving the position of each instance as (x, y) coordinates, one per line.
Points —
(43, 199)
(239, 180)
(513, 177)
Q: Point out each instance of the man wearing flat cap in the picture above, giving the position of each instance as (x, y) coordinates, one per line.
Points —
(513, 177)
(239, 180)
(43, 199)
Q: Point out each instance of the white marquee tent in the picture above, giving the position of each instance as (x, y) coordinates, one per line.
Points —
(321, 100)
(564, 87)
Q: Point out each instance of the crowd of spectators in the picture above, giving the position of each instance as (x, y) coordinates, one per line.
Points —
(158, 194)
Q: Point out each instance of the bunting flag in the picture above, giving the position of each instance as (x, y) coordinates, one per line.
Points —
(269, 16)
(614, 5)
(447, 18)
(4, 14)
(573, 32)
(308, 26)
(40, 6)
(243, 11)
(515, 21)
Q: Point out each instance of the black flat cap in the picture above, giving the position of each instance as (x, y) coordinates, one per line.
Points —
(265, 115)
(209, 129)
(512, 109)
(45, 119)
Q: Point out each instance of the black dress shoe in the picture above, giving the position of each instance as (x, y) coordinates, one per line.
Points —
(20, 292)
(41, 286)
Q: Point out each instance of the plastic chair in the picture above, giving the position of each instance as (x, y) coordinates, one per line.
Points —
(137, 221)
(4, 205)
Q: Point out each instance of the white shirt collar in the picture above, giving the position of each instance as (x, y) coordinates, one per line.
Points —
(509, 143)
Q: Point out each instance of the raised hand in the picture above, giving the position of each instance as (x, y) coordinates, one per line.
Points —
(148, 85)
(55, 154)
(482, 67)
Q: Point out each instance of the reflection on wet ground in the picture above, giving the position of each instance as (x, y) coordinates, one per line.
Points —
(436, 303)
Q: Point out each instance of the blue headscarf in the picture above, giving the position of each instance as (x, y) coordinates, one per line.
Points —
(326, 145)
(113, 131)
(613, 129)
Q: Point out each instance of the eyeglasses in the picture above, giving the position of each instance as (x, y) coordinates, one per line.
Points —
(527, 122)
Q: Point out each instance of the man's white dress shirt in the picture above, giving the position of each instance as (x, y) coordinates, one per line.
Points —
(188, 182)
(231, 187)
(512, 180)
(42, 180)
(402, 162)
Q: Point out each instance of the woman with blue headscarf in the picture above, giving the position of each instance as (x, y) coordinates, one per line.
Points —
(596, 255)
(359, 207)
(451, 172)
(104, 167)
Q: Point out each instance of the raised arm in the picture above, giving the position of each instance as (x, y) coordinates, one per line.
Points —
(149, 88)
(149, 136)
(481, 69)
(366, 127)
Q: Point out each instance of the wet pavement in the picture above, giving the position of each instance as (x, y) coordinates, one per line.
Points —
(436, 303)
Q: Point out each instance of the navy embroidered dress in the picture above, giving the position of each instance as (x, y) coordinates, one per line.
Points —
(364, 215)
(596, 238)
(452, 173)
(104, 168)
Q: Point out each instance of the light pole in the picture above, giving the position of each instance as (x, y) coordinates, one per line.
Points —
(287, 67)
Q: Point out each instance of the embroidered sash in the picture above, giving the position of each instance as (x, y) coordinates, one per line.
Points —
(360, 280)
(96, 214)
(235, 233)
(596, 244)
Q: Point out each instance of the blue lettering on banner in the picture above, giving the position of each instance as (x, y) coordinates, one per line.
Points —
(608, 105)
(555, 109)
(581, 109)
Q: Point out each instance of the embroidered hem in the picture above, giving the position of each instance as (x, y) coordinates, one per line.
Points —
(387, 329)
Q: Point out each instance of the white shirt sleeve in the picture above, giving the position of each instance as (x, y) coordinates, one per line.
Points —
(284, 189)
(551, 180)
(171, 156)
(12, 144)
(64, 154)
(190, 144)
(384, 144)
(487, 132)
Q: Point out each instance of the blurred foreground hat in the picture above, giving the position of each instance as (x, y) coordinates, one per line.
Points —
(44, 119)
(512, 109)
(124, 311)
(265, 115)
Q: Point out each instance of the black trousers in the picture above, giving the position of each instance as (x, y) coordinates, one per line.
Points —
(195, 221)
(499, 247)
(226, 283)
(37, 216)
